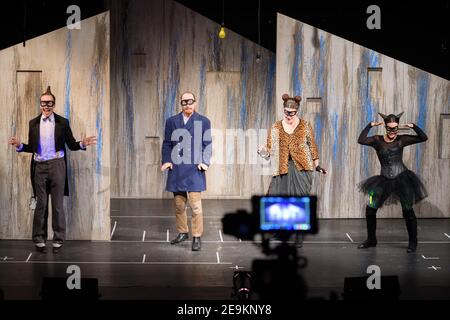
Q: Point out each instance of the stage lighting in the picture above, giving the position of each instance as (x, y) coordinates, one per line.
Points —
(222, 33)
(242, 285)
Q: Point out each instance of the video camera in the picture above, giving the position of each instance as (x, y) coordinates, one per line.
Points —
(282, 216)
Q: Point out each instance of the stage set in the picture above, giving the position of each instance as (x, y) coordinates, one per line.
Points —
(119, 78)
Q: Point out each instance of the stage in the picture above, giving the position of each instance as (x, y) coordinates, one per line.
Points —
(139, 262)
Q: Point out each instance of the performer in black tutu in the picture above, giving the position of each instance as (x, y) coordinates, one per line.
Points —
(396, 182)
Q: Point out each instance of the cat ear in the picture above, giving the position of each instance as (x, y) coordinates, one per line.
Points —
(382, 115)
(285, 97)
(399, 115)
(297, 99)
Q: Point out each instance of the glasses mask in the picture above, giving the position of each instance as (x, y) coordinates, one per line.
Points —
(49, 104)
(391, 130)
(290, 113)
(187, 102)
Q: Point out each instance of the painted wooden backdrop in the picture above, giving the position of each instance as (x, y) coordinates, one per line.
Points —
(76, 65)
(343, 86)
(161, 49)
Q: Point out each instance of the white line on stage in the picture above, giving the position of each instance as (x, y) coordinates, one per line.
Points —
(447, 235)
(430, 258)
(348, 236)
(220, 235)
(29, 256)
(143, 258)
(114, 228)
(218, 257)
(120, 262)
(167, 235)
(143, 236)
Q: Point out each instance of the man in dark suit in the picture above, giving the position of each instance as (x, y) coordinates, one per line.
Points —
(186, 152)
(48, 134)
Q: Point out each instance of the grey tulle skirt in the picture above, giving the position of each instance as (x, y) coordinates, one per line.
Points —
(294, 183)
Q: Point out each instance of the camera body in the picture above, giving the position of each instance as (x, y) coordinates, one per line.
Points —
(282, 216)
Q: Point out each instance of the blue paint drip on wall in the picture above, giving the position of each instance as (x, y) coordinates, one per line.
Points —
(230, 107)
(423, 85)
(201, 94)
(67, 86)
(335, 121)
(296, 76)
(244, 75)
(320, 76)
(173, 81)
(95, 84)
(318, 129)
(67, 93)
(268, 101)
(98, 125)
(369, 59)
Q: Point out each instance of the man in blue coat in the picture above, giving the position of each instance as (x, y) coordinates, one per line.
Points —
(186, 153)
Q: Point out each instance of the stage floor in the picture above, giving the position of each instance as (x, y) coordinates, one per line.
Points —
(139, 262)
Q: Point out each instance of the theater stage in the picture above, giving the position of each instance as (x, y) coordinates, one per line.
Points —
(139, 262)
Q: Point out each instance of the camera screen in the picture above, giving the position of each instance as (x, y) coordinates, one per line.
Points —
(287, 213)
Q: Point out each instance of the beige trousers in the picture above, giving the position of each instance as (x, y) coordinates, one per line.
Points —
(195, 202)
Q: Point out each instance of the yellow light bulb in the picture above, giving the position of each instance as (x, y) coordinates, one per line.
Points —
(222, 33)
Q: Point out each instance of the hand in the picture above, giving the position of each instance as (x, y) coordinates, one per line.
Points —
(14, 141)
(166, 166)
(202, 167)
(321, 170)
(263, 152)
(262, 149)
(375, 124)
(408, 125)
(89, 141)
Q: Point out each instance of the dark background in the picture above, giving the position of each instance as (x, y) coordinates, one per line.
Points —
(412, 32)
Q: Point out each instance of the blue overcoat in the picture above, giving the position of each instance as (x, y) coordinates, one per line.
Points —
(186, 146)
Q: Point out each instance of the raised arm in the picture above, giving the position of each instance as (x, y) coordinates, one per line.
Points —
(363, 138)
(408, 139)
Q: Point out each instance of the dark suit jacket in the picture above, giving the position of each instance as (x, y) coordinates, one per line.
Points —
(63, 136)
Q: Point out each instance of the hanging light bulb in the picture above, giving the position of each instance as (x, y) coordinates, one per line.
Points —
(258, 57)
(222, 33)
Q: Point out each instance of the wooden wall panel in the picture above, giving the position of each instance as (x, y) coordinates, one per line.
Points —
(76, 65)
(353, 84)
(161, 48)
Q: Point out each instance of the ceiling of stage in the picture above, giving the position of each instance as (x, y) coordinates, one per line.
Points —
(415, 33)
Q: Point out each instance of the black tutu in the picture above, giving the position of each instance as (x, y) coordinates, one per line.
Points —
(406, 187)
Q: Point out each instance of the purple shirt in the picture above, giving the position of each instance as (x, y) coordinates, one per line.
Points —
(46, 147)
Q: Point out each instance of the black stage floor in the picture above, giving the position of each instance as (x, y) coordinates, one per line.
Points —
(139, 263)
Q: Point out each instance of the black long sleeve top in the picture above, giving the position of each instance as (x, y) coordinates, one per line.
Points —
(390, 154)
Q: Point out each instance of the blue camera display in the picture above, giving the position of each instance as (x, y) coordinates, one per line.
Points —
(285, 213)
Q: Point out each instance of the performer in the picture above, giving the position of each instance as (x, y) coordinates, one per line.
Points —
(186, 152)
(395, 182)
(291, 143)
(48, 134)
